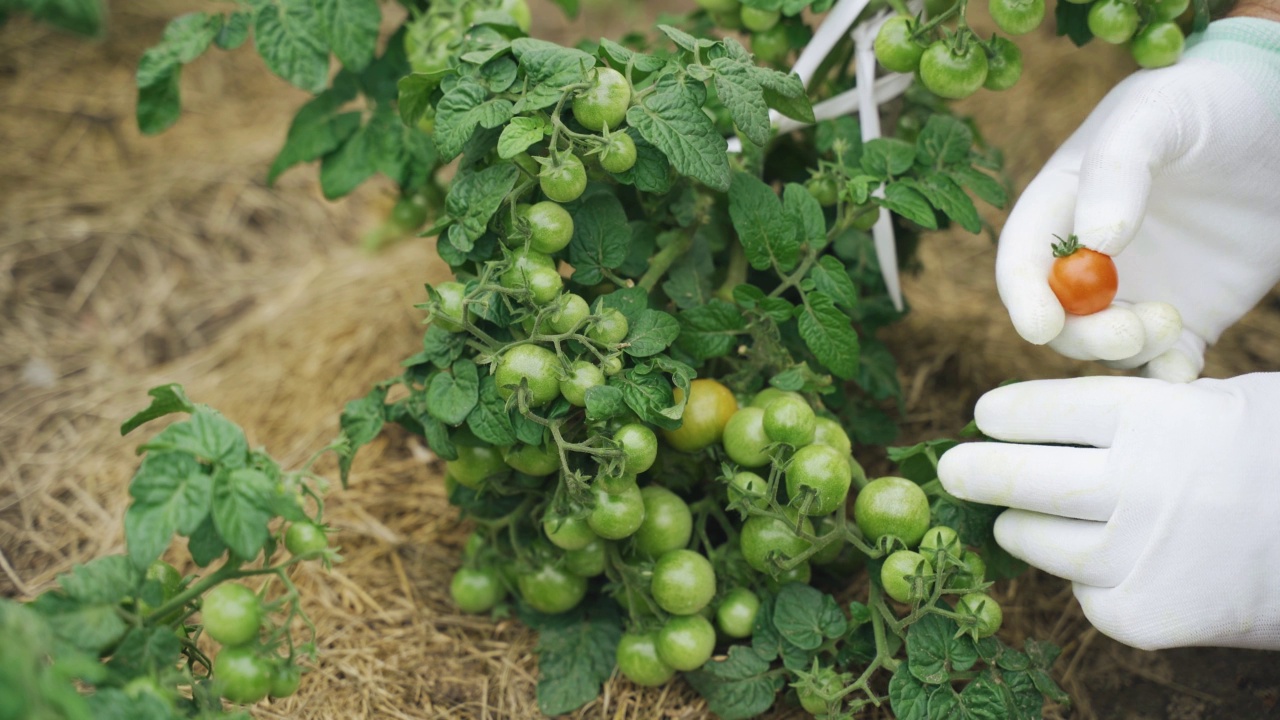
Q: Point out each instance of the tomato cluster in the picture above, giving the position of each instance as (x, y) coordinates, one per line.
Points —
(1149, 28)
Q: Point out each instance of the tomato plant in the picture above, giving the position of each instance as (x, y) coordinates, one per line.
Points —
(1085, 281)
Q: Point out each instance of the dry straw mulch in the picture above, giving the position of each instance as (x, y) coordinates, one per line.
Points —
(127, 262)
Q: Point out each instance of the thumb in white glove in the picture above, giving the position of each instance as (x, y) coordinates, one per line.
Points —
(1177, 175)
(1166, 523)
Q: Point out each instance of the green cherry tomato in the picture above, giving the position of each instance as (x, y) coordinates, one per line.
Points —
(552, 590)
(1113, 21)
(537, 365)
(564, 179)
(764, 397)
(639, 447)
(570, 311)
(243, 675)
(825, 683)
(737, 613)
(303, 537)
(762, 536)
(825, 471)
(801, 573)
(610, 328)
(475, 465)
(745, 440)
(771, 46)
(638, 660)
(686, 642)
(409, 213)
(708, 410)
(587, 562)
(550, 227)
(533, 271)
(231, 615)
(731, 20)
(534, 460)
(790, 420)
(940, 538)
(582, 377)
(1159, 45)
(719, 6)
(1017, 17)
(896, 570)
(895, 47)
(667, 524)
(829, 432)
(985, 609)
(829, 554)
(892, 506)
(285, 679)
(617, 515)
(604, 103)
(750, 485)
(612, 366)
(953, 74)
(619, 153)
(1005, 66)
(448, 314)
(975, 570)
(758, 20)
(865, 216)
(169, 579)
(568, 533)
(824, 190)
(1170, 9)
(476, 590)
(683, 582)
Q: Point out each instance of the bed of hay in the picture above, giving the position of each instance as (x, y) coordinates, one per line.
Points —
(127, 262)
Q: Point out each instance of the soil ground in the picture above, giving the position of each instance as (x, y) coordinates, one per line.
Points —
(126, 262)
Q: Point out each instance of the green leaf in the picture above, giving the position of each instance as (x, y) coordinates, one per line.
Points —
(576, 655)
(105, 580)
(171, 493)
(235, 30)
(1028, 703)
(739, 686)
(972, 521)
(289, 35)
(318, 129)
(944, 141)
(671, 119)
(934, 651)
(806, 213)
(1073, 21)
(648, 393)
(901, 198)
(829, 276)
(983, 698)
(688, 282)
(766, 234)
(452, 396)
(738, 89)
(353, 162)
(351, 27)
(947, 196)
(145, 650)
(92, 627)
(604, 402)
(165, 400)
(908, 698)
(475, 197)
(620, 56)
(85, 17)
(651, 333)
(462, 108)
(681, 38)
(520, 134)
(710, 330)
(489, 420)
(798, 108)
(159, 103)
(549, 69)
(413, 96)
(207, 435)
(887, 157)
(829, 334)
(631, 302)
(242, 503)
(806, 616)
(845, 130)
(878, 370)
(401, 152)
(981, 184)
(601, 236)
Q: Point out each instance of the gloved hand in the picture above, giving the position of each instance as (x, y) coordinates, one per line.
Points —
(1177, 175)
(1166, 525)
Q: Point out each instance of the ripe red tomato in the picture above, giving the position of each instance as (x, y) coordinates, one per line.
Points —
(1084, 280)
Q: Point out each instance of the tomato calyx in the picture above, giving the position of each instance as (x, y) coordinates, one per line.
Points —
(1068, 247)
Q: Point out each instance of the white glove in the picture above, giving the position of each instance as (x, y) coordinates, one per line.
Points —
(1168, 525)
(1177, 175)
